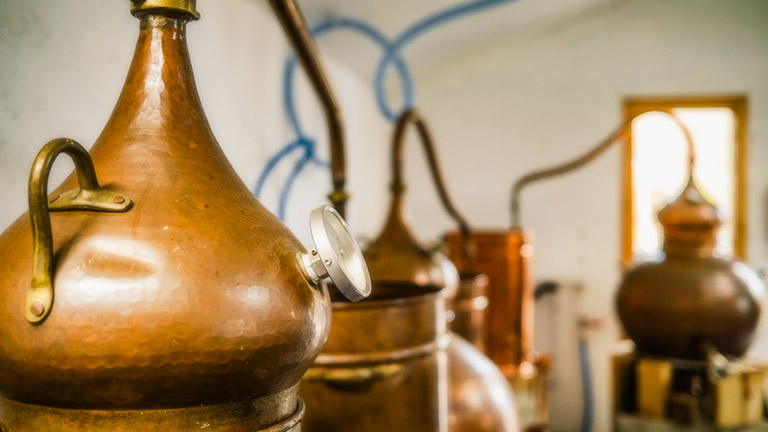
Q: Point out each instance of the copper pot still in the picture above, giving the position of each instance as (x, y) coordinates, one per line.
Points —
(690, 303)
(390, 363)
(151, 290)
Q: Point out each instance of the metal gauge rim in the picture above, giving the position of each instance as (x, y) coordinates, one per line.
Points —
(344, 261)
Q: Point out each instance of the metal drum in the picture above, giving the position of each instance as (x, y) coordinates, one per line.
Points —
(383, 368)
(151, 290)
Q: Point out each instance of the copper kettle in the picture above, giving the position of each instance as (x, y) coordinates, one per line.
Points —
(151, 290)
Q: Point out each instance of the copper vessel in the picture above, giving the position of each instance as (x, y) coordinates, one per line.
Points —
(390, 364)
(506, 258)
(480, 396)
(158, 293)
(689, 303)
(384, 367)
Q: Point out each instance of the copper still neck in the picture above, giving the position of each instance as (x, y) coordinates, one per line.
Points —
(690, 224)
(396, 257)
(160, 77)
(413, 117)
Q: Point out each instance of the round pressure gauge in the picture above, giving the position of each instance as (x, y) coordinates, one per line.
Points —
(336, 255)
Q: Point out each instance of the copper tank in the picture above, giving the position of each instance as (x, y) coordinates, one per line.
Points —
(690, 303)
(159, 294)
(390, 364)
(506, 257)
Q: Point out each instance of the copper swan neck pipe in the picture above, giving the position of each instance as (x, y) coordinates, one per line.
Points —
(297, 31)
(616, 136)
(409, 117)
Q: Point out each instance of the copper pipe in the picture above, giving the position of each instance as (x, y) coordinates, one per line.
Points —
(297, 31)
(592, 154)
(412, 116)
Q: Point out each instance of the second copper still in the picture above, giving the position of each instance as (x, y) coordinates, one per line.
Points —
(390, 363)
(690, 303)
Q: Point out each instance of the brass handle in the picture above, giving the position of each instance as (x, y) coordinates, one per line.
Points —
(90, 196)
(353, 376)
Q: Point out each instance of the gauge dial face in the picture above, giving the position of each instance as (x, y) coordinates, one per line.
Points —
(340, 253)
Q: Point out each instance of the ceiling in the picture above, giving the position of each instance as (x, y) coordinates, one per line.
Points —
(455, 38)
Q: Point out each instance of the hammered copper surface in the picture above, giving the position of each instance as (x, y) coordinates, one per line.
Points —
(278, 412)
(383, 368)
(481, 399)
(690, 302)
(506, 258)
(468, 309)
(192, 297)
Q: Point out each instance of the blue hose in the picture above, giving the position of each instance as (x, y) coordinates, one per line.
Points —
(365, 29)
(586, 387)
(392, 55)
(411, 33)
(292, 114)
(271, 163)
(289, 182)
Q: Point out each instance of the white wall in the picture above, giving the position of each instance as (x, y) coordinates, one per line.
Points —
(63, 65)
(546, 93)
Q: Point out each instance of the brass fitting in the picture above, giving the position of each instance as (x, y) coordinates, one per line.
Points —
(185, 6)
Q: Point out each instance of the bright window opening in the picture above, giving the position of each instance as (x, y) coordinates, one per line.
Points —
(658, 161)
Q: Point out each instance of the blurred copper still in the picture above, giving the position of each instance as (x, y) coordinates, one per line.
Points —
(692, 316)
(689, 303)
(151, 290)
(390, 364)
